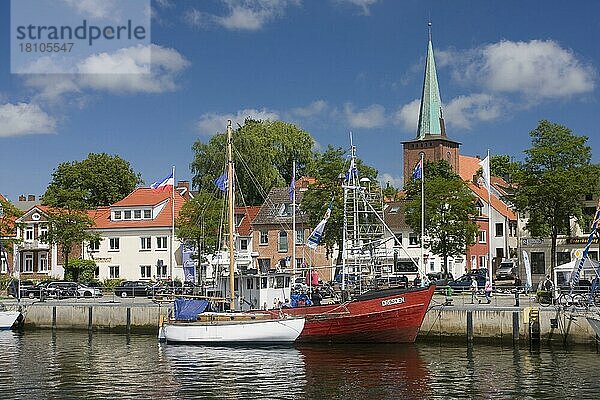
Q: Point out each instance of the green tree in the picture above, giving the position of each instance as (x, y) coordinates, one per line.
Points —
(8, 214)
(449, 206)
(199, 221)
(67, 228)
(80, 270)
(502, 166)
(329, 169)
(99, 180)
(553, 180)
(263, 154)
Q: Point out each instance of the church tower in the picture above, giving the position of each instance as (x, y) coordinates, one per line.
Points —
(431, 137)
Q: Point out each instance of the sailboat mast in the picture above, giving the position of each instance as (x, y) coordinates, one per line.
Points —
(293, 184)
(230, 202)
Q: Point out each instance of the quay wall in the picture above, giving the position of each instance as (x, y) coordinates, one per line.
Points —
(507, 324)
(491, 324)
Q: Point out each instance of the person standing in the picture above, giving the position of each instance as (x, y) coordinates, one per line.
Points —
(474, 289)
(488, 290)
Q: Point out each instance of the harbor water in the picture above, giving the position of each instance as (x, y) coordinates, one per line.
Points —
(46, 364)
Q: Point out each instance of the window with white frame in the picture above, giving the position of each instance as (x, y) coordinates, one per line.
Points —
(413, 239)
(482, 236)
(113, 271)
(161, 269)
(499, 229)
(117, 215)
(28, 258)
(264, 237)
(161, 242)
(43, 262)
(145, 271)
(94, 246)
(299, 236)
(28, 233)
(282, 245)
(127, 214)
(113, 244)
(145, 243)
(147, 214)
(3, 263)
(482, 261)
(43, 231)
(243, 244)
(137, 214)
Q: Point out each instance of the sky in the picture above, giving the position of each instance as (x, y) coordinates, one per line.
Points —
(331, 67)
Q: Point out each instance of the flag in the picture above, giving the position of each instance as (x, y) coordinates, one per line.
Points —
(352, 171)
(166, 183)
(221, 182)
(315, 237)
(418, 171)
(528, 282)
(485, 176)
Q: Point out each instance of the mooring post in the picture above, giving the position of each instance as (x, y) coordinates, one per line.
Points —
(128, 319)
(89, 318)
(470, 326)
(515, 327)
(53, 317)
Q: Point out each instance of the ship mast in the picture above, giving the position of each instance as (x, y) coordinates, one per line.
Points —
(230, 202)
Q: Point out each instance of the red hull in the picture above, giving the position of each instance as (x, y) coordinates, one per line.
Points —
(386, 316)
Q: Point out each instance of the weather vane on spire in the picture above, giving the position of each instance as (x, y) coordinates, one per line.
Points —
(429, 28)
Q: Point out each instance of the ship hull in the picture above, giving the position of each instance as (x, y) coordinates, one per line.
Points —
(386, 316)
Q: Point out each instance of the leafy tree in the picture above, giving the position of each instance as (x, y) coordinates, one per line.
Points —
(67, 228)
(502, 166)
(8, 214)
(263, 154)
(449, 206)
(199, 221)
(554, 177)
(80, 270)
(329, 168)
(99, 180)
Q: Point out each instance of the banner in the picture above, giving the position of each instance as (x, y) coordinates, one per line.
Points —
(528, 283)
(189, 264)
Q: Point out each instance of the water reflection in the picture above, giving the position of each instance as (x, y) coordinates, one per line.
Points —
(364, 371)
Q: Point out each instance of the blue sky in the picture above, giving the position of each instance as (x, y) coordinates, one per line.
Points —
(330, 66)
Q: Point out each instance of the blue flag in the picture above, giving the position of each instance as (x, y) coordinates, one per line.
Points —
(418, 171)
(221, 182)
(292, 188)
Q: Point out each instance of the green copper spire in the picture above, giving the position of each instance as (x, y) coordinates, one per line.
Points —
(431, 122)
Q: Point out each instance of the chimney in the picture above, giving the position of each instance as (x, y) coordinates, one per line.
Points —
(183, 184)
(31, 197)
(22, 197)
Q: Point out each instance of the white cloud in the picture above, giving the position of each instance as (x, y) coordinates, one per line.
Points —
(536, 69)
(464, 111)
(407, 115)
(241, 14)
(139, 69)
(211, 123)
(316, 108)
(362, 4)
(93, 8)
(394, 180)
(24, 119)
(372, 116)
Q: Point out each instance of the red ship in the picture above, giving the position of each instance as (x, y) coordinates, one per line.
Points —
(380, 316)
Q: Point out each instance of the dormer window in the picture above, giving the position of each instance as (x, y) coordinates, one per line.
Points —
(127, 214)
(117, 215)
(285, 210)
(147, 214)
(137, 214)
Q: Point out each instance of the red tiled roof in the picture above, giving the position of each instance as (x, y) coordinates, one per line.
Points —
(139, 197)
(468, 166)
(496, 202)
(245, 228)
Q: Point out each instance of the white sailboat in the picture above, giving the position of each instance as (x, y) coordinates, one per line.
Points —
(197, 326)
(8, 318)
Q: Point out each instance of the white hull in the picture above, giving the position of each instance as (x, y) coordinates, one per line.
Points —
(8, 318)
(254, 331)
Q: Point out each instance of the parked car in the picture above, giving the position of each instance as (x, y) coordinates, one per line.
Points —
(132, 289)
(464, 282)
(36, 291)
(61, 290)
(507, 271)
(88, 290)
(437, 279)
(14, 284)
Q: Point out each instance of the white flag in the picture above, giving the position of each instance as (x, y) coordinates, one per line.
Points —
(315, 237)
(485, 164)
(528, 283)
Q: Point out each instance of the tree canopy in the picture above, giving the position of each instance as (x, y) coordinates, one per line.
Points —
(553, 180)
(8, 214)
(99, 180)
(329, 168)
(504, 167)
(199, 221)
(263, 154)
(449, 206)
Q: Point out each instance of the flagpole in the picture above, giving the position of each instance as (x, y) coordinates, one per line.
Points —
(172, 225)
(294, 217)
(489, 190)
(422, 261)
